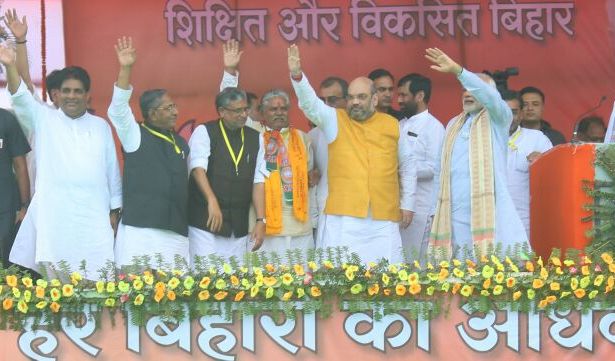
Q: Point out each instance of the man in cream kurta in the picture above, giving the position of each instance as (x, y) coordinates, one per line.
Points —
(370, 238)
(78, 181)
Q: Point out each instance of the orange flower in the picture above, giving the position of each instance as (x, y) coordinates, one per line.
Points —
(7, 304)
(443, 274)
(537, 283)
(287, 296)
(550, 299)
(11, 280)
(542, 304)
(269, 267)
(220, 295)
(579, 293)
(234, 280)
(204, 295)
(612, 267)
(239, 296)
(554, 286)
(456, 288)
(386, 291)
(159, 295)
(529, 266)
(67, 290)
(160, 286)
(400, 290)
(373, 289)
(205, 281)
(270, 281)
(487, 283)
(517, 295)
(27, 281)
(415, 288)
(55, 307)
(606, 258)
(171, 295)
(585, 270)
(510, 282)
(315, 291)
(40, 292)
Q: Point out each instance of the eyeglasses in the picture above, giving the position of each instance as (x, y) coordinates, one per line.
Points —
(237, 111)
(333, 99)
(169, 107)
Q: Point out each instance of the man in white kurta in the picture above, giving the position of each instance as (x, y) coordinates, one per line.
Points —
(78, 181)
(479, 94)
(425, 134)
(369, 238)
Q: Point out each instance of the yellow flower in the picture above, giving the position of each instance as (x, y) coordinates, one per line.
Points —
(579, 293)
(227, 268)
(593, 294)
(456, 262)
(517, 295)
(270, 281)
(574, 283)
(171, 295)
(7, 304)
(443, 274)
(220, 295)
(110, 302)
(16, 292)
(606, 258)
(417, 265)
(239, 296)
(27, 281)
(585, 281)
(564, 294)
(254, 291)
(559, 271)
(148, 279)
(542, 304)
(568, 262)
(349, 274)
(402, 275)
(400, 290)
(537, 283)
(110, 287)
(550, 299)
(413, 278)
(554, 286)
(445, 287)
(529, 266)
(55, 294)
(328, 264)
(39, 292)
(234, 281)
(11, 280)
(188, 282)
(484, 293)
(393, 269)
(499, 277)
(41, 282)
(540, 263)
(456, 288)
(287, 279)
(497, 290)
(161, 273)
(598, 280)
(466, 290)
(270, 268)
(415, 289)
(159, 295)
(287, 296)
(220, 284)
(430, 290)
(67, 290)
(531, 294)
(55, 307)
(470, 263)
(385, 279)
(585, 270)
(173, 283)
(444, 264)
(137, 284)
(269, 292)
(458, 273)
(205, 281)
(42, 304)
(138, 301)
(544, 274)
(487, 283)
(312, 265)
(430, 266)
(373, 289)
(300, 292)
(299, 270)
(612, 268)
(204, 295)
(556, 261)
(75, 277)
(315, 291)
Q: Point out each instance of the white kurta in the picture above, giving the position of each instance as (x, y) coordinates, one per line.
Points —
(320, 149)
(522, 143)
(77, 184)
(371, 239)
(425, 134)
(132, 241)
(509, 230)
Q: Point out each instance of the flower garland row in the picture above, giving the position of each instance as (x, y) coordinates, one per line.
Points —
(543, 284)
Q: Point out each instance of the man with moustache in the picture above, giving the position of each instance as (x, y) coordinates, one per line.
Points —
(227, 174)
(289, 159)
(78, 188)
(425, 134)
(370, 169)
(474, 211)
(384, 84)
(155, 215)
(524, 147)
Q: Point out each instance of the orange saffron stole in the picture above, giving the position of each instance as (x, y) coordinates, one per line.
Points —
(273, 185)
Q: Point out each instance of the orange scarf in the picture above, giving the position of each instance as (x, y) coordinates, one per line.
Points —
(273, 184)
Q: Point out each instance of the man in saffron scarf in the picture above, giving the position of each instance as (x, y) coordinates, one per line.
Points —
(372, 178)
(474, 210)
(288, 156)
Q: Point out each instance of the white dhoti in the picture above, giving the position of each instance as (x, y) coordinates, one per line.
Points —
(203, 244)
(134, 243)
(415, 238)
(280, 244)
(371, 239)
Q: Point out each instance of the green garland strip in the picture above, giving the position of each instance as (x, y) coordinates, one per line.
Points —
(603, 208)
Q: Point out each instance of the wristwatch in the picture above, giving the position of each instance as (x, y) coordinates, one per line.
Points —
(264, 220)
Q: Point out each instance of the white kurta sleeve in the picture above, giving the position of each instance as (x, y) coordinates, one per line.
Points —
(229, 80)
(489, 96)
(407, 176)
(544, 144)
(199, 149)
(431, 142)
(114, 179)
(26, 109)
(123, 119)
(261, 166)
(319, 113)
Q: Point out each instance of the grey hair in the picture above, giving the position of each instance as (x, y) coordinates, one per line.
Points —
(274, 93)
(229, 95)
(150, 99)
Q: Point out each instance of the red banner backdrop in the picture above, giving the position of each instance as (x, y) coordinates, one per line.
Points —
(566, 48)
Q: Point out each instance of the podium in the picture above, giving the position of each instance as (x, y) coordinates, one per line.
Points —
(557, 198)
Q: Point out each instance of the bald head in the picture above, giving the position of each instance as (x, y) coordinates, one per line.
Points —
(362, 99)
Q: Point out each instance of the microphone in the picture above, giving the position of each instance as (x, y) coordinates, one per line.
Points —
(576, 125)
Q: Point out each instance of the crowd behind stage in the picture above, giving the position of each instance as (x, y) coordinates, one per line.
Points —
(386, 183)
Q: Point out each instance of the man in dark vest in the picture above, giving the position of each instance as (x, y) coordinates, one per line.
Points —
(227, 173)
(155, 188)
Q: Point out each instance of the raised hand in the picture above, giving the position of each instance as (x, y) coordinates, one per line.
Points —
(231, 55)
(17, 27)
(442, 62)
(294, 61)
(7, 55)
(126, 53)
